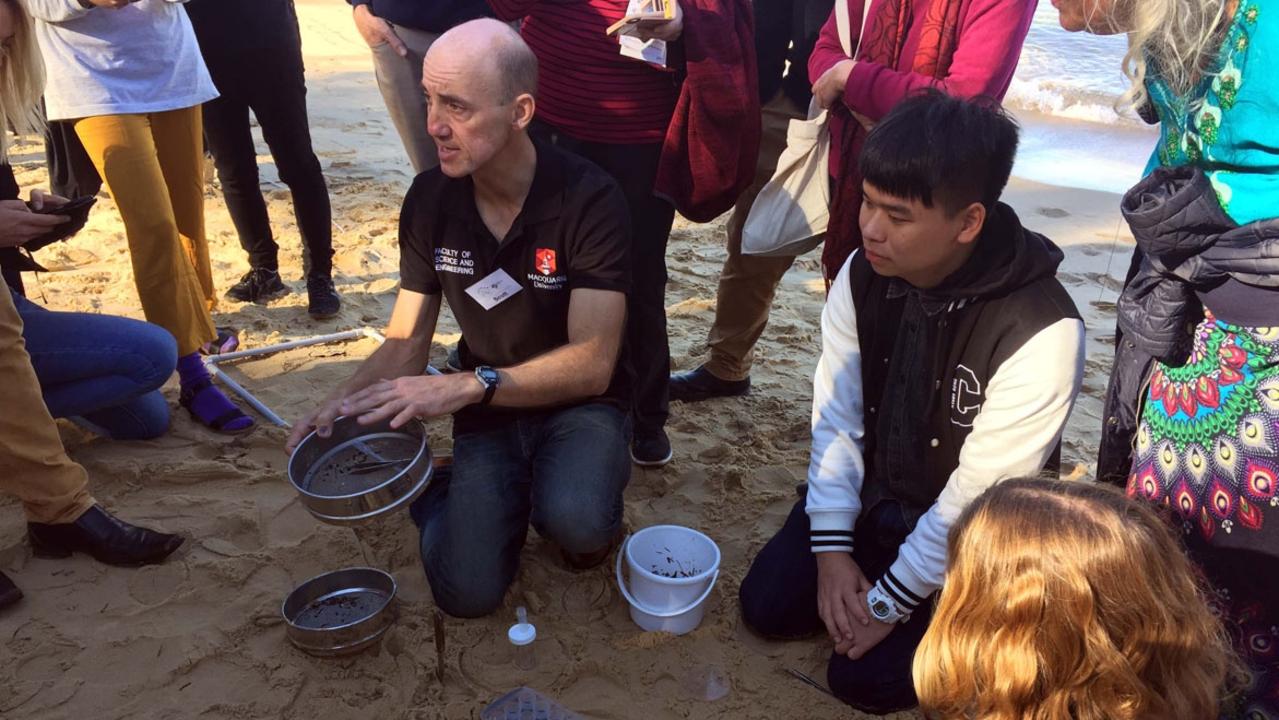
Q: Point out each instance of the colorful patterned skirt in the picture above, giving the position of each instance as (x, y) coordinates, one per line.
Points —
(1208, 449)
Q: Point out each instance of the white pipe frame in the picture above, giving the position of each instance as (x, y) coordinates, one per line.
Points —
(211, 362)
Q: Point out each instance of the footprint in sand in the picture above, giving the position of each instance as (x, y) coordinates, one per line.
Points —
(41, 665)
(154, 584)
(490, 664)
(1051, 212)
(714, 454)
(588, 596)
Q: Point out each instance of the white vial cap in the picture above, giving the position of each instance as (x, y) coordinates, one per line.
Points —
(522, 634)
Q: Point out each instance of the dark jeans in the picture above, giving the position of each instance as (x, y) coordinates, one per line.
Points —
(564, 470)
(779, 600)
(106, 370)
(271, 83)
(634, 167)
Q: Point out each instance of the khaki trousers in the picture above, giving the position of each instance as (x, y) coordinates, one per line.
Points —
(748, 282)
(154, 166)
(400, 81)
(33, 465)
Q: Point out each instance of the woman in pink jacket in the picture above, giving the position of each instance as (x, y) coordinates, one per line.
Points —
(967, 48)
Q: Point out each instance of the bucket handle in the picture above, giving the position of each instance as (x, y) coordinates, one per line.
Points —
(626, 593)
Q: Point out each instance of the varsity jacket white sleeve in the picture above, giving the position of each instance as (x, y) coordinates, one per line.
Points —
(835, 466)
(1027, 403)
(1018, 427)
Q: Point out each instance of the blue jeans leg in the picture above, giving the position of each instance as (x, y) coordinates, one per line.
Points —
(474, 525)
(104, 368)
(581, 466)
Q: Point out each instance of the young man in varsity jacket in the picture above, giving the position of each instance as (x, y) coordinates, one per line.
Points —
(951, 357)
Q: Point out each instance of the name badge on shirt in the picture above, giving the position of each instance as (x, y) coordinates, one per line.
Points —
(494, 289)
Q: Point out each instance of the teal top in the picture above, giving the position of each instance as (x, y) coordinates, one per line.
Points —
(1230, 125)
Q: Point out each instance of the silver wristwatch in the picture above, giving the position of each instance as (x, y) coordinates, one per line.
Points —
(883, 608)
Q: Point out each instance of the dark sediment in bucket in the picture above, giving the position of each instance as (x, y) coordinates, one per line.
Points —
(673, 568)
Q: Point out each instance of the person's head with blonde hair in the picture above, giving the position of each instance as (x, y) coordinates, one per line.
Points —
(1178, 40)
(21, 74)
(1069, 601)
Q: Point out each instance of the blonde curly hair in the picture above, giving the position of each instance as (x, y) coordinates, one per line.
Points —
(21, 79)
(1179, 40)
(1068, 601)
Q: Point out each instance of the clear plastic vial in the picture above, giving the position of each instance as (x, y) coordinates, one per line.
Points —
(522, 634)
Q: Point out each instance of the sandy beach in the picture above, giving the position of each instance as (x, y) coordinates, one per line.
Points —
(201, 637)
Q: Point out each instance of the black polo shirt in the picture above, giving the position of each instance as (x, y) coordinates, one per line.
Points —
(574, 231)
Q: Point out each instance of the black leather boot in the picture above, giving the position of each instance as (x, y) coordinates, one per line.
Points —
(106, 538)
(701, 384)
(9, 593)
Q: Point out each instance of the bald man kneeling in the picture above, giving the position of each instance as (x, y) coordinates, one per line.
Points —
(530, 247)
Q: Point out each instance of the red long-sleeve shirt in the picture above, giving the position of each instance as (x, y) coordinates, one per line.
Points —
(991, 33)
(585, 88)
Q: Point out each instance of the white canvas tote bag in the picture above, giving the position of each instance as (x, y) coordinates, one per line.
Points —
(790, 215)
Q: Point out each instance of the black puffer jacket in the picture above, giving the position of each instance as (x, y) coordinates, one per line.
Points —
(1189, 248)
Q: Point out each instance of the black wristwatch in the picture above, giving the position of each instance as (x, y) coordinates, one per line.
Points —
(490, 379)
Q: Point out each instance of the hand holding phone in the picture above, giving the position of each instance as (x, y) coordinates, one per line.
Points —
(19, 226)
(73, 215)
(70, 208)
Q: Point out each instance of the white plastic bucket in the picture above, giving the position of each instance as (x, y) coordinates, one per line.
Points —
(672, 572)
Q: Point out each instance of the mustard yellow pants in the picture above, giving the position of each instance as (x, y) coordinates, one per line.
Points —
(33, 465)
(154, 167)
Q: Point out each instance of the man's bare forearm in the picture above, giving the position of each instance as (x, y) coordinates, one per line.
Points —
(572, 372)
(578, 370)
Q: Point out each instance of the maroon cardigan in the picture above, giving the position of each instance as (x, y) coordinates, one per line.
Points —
(991, 33)
(712, 144)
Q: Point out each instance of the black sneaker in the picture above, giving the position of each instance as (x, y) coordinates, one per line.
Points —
(701, 384)
(323, 301)
(651, 448)
(257, 285)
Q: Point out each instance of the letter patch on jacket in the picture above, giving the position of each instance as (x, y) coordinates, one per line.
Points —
(965, 397)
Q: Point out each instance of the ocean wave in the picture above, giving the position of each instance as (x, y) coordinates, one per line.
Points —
(1069, 75)
(1065, 100)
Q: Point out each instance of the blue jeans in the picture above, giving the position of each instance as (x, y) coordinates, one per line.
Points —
(104, 369)
(779, 600)
(564, 470)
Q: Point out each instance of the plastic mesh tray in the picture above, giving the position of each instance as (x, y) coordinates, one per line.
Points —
(526, 704)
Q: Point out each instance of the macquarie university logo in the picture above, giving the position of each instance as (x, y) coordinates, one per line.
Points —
(966, 396)
(546, 267)
(544, 261)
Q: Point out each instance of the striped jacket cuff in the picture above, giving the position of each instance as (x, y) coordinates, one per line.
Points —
(831, 540)
(906, 600)
(831, 530)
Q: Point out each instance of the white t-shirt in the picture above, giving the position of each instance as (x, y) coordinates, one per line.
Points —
(140, 58)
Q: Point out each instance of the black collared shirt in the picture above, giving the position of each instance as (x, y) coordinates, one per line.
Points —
(573, 232)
